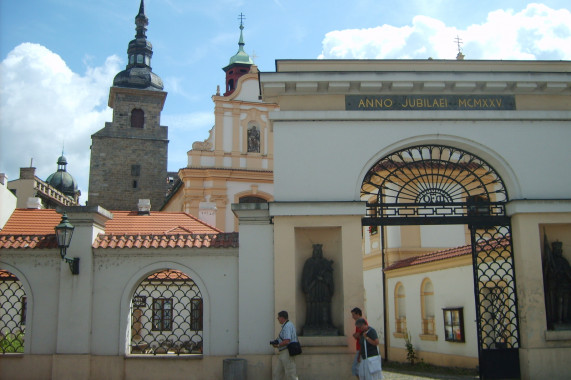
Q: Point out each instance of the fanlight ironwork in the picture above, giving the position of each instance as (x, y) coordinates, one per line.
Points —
(433, 180)
(166, 315)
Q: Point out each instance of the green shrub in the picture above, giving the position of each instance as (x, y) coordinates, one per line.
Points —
(12, 343)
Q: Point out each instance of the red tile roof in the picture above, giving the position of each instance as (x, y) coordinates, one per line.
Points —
(130, 222)
(483, 245)
(33, 228)
(31, 222)
(222, 240)
(28, 241)
(430, 257)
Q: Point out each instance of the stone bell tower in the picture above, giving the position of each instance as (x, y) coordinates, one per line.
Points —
(129, 155)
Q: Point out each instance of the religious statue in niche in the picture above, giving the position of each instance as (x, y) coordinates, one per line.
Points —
(253, 139)
(557, 287)
(317, 285)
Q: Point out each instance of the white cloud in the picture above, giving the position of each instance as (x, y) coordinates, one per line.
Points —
(45, 106)
(536, 32)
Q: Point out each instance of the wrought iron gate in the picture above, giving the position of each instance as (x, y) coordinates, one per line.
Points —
(432, 184)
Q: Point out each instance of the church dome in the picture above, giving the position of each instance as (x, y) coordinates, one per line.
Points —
(62, 180)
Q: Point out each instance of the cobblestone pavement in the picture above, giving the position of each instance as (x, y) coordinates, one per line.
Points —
(388, 374)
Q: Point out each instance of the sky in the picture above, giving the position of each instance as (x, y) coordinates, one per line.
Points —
(58, 58)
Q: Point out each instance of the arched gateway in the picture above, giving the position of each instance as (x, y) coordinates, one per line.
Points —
(433, 184)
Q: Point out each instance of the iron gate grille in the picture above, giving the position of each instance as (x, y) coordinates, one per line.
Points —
(496, 301)
(12, 314)
(166, 315)
(434, 184)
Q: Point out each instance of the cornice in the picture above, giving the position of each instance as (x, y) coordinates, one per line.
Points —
(418, 77)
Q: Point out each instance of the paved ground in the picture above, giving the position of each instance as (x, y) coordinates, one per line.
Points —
(389, 374)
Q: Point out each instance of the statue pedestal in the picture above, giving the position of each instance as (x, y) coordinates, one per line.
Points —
(319, 331)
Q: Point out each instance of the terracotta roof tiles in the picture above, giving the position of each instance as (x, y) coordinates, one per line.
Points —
(222, 240)
(33, 228)
(483, 245)
(430, 257)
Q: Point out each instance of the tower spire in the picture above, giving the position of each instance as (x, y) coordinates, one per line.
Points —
(240, 62)
(138, 73)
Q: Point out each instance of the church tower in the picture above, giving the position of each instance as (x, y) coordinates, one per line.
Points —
(235, 163)
(129, 155)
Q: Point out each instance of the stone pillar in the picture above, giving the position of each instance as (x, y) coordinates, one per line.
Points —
(256, 279)
(75, 292)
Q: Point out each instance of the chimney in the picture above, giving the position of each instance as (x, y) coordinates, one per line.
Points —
(3, 178)
(34, 202)
(27, 173)
(144, 206)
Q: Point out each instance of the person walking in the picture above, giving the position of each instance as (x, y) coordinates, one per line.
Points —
(356, 313)
(286, 363)
(370, 366)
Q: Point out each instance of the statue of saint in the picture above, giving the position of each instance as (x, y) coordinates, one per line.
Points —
(253, 140)
(317, 284)
(557, 286)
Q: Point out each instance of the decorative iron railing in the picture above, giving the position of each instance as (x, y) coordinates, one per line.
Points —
(13, 303)
(167, 315)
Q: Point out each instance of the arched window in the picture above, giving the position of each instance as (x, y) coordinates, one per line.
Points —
(166, 315)
(252, 199)
(400, 309)
(13, 305)
(137, 118)
(427, 307)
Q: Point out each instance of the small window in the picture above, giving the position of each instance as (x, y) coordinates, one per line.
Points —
(137, 118)
(454, 324)
(135, 170)
(162, 314)
(135, 184)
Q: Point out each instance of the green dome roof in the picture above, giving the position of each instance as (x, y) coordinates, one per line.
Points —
(62, 180)
(241, 56)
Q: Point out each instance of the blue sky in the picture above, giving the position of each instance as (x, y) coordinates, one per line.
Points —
(59, 57)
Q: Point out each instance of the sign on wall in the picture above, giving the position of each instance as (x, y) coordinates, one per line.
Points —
(429, 102)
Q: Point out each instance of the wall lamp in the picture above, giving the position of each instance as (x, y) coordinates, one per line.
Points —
(64, 232)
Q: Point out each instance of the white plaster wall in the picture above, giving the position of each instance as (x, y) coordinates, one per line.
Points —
(39, 274)
(7, 202)
(249, 91)
(510, 145)
(214, 271)
(116, 274)
(452, 288)
(373, 311)
(227, 131)
(442, 236)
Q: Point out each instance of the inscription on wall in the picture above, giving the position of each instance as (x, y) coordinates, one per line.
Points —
(429, 102)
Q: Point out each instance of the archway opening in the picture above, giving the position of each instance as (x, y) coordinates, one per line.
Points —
(167, 315)
(430, 189)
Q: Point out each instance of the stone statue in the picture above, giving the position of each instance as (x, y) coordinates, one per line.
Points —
(253, 140)
(557, 286)
(317, 284)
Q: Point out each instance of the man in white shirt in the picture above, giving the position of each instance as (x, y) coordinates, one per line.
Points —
(286, 363)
